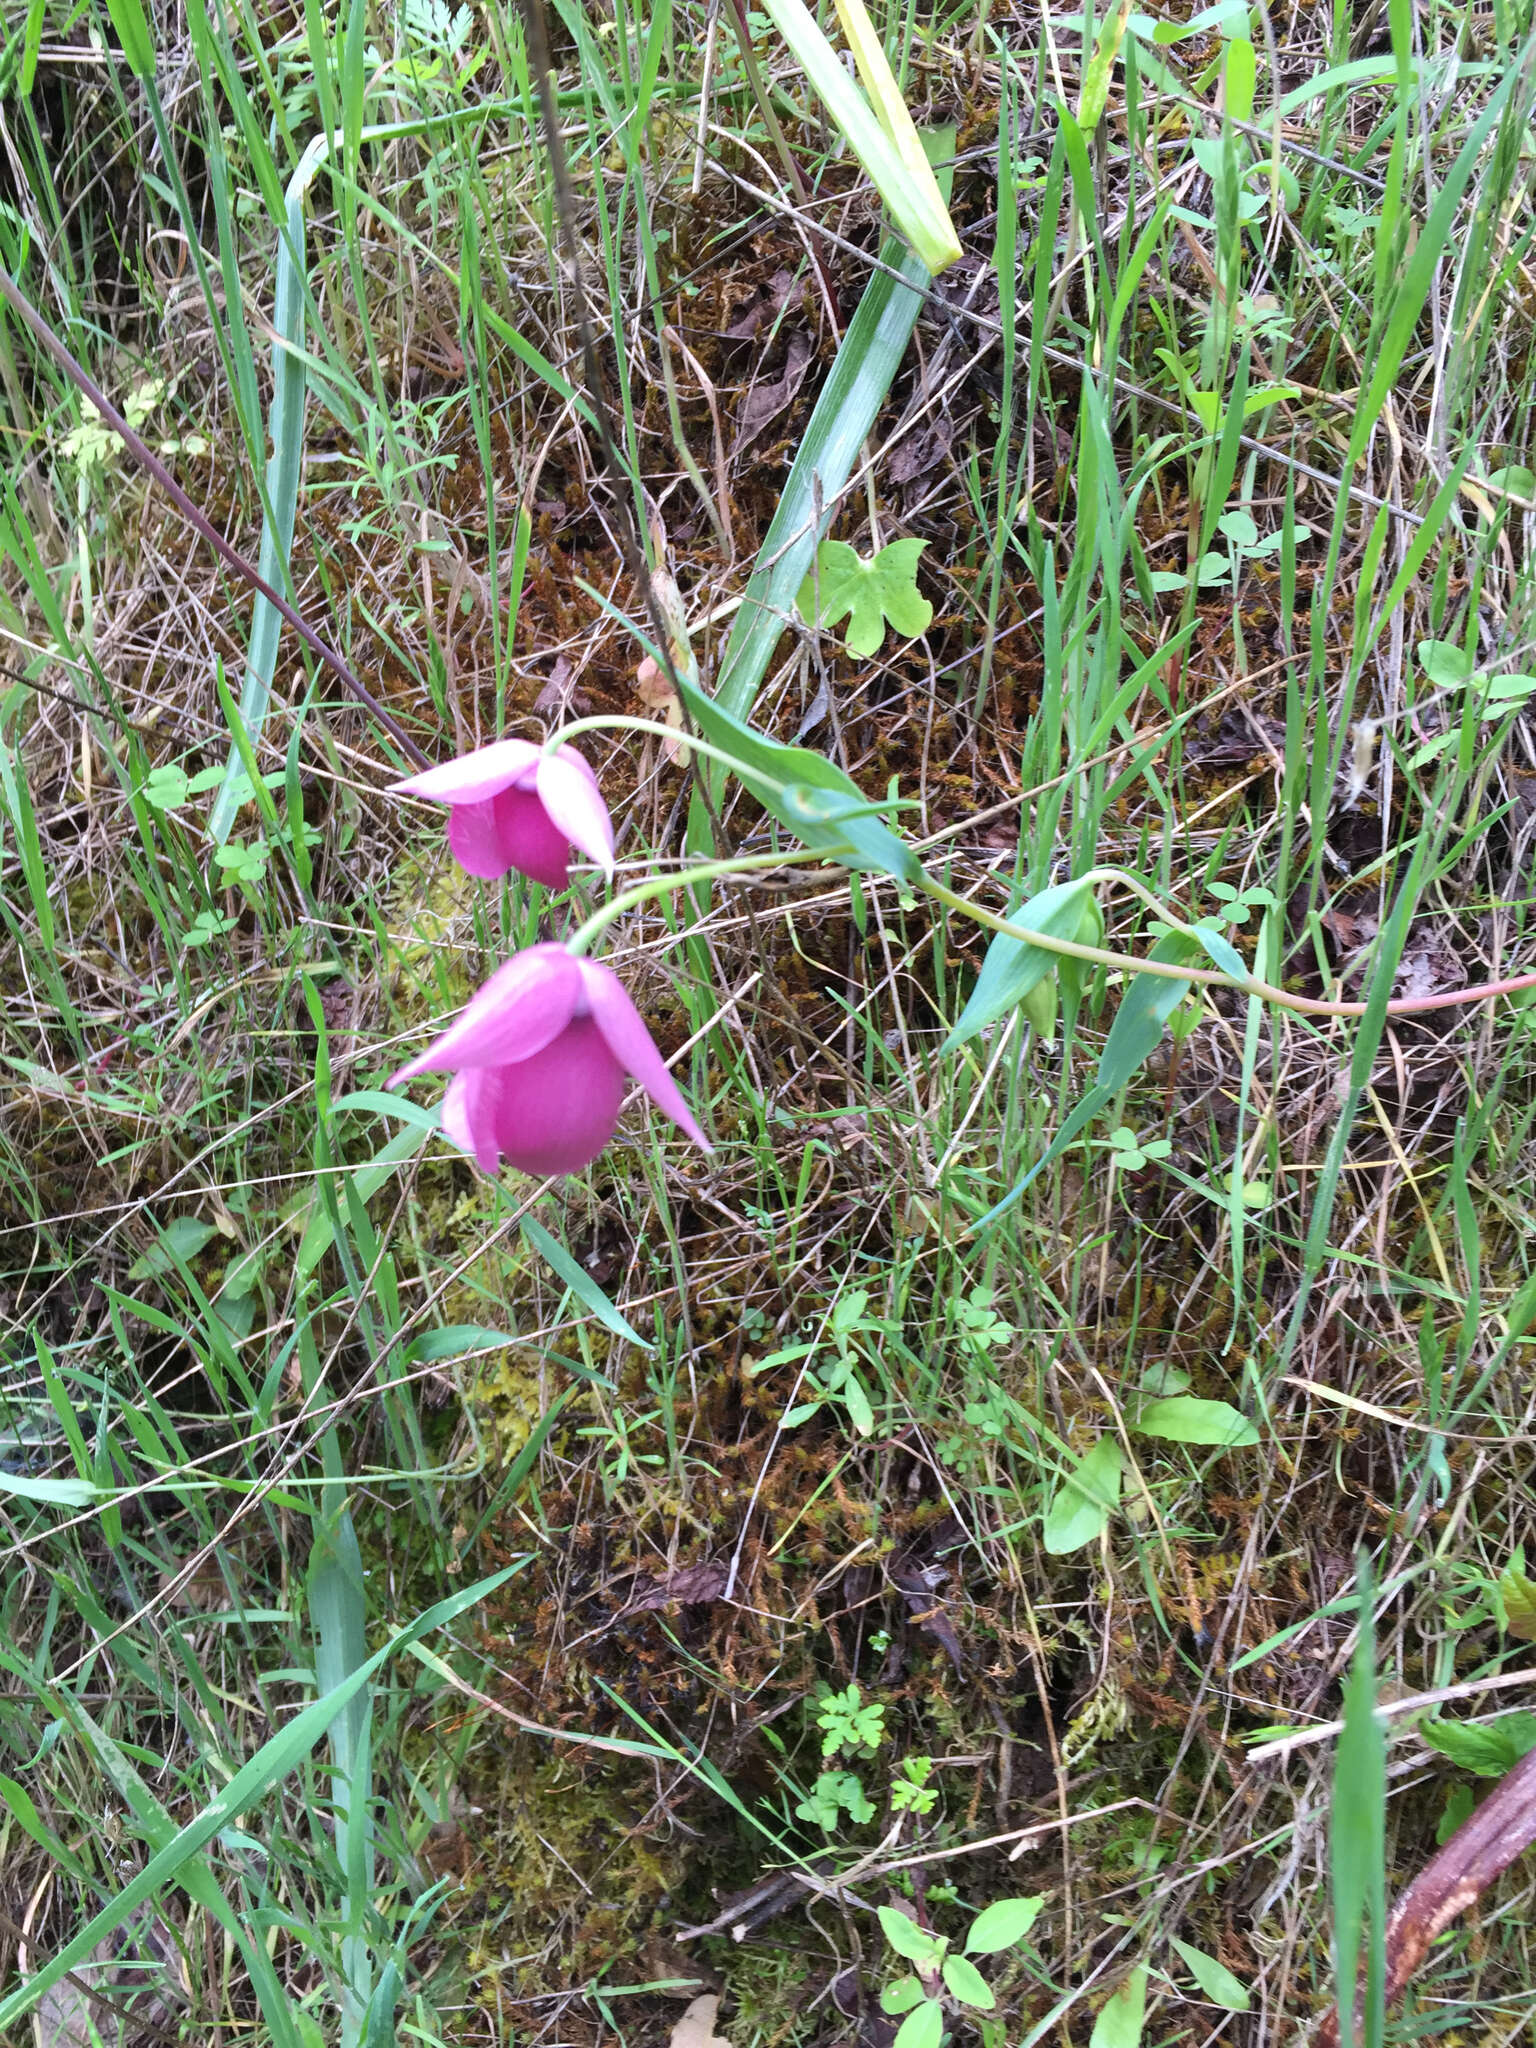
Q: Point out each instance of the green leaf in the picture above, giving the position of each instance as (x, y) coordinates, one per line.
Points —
(856, 1401)
(923, 2026)
(1144, 1009)
(457, 1340)
(819, 803)
(894, 160)
(965, 1982)
(1446, 663)
(1039, 1007)
(1357, 1836)
(867, 593)
(1517, 1598)
(1182, 1419)
(1119, 2022)
(166, 787)
(906, 1937)
(367, 1179)
(866, 362)
(1085, 1500)
(31, 45)
(1221, 950)
(133, 32)
(901, 1996)
(580, 1282)
(1013, 968)
(285, 427)
(1489, 1748)
(181, 1239)
(1241, 79)
(1002, 1925)
(1214, 1979)
(50, 1493)
(1458, 1811)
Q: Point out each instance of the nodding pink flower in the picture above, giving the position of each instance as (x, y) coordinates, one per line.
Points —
(511, 805)
(539, 1060)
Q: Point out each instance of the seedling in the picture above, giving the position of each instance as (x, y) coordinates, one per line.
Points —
(910, 1790)
(838, 1379)
(1129, 1152)
(942, 1980)
(849, 1722)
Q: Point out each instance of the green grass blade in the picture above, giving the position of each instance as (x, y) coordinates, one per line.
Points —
(1357, 1839)
(272, 1762)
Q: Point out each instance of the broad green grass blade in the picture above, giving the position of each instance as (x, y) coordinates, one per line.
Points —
(1357, 1839)
(867, 361)
(290, 384)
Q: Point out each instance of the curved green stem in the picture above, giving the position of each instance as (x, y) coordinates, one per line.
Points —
(686, 878)
(621, 723)
(1212, 977)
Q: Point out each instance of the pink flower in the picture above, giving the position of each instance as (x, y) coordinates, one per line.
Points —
(539, 1060)
(513, 806)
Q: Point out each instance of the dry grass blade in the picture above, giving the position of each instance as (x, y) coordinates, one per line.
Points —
(199, 521)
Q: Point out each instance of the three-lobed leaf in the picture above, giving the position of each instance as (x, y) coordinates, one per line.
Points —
(869, 594)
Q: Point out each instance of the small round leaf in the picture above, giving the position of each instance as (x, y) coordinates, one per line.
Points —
(901, 1996)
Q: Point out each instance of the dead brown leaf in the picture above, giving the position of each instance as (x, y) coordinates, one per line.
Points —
(655, 691)
(765, 305)
(918, 1583)
(921, 452)
(696, 2028)
(693, 1586)
(1430, 967)
(559, 697)
(768, 398)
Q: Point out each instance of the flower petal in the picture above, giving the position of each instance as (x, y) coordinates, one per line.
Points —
(469, 1115)
(569, 793)
(473, 778)
(556, 1111)
(624, 1032)
(514, 1015)
(477, 839)
(534, 844)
